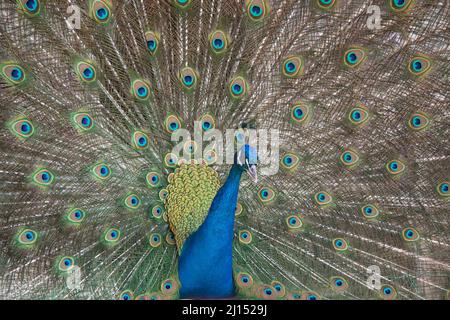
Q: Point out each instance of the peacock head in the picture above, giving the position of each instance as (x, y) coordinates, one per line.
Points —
(246, 159)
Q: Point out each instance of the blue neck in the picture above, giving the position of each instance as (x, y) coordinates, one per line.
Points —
(205, 264)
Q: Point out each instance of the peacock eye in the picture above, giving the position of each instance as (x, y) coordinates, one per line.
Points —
(126, 295)
(323, 198)
(238, 87)
(188, 78)
(354, 57)
(13, 73)
(358, 115)
(294, 223)
(155, 240)
(153, 179)
(86, 72)
(326, 4)
(43, 177)
(300, 113)
(267, 292)
(338, 284)
(170, 238)
(169, 286)
(395, 167)
(171, 160)
(280, 290)
(266, 195)
(410, 234)
(30, 7)
(66, 263)
(340, 244)
(190, 147)
(245, 237)
(132, 201)
(218, 41)
(418, 121)
(370, 211)
(76, 215)
(400, 5)
(207, 122)
(101, 171)
(82, 121)
(172, 123)
(349, 158)
(112, 235)
(27, 237)
(152, 40)
(310, 296)
(442, 189)
(244, 280)
(163, 194)
(157, 211)
(419, 65)
(257, 10)
(293, 66)
(22, 128)
(139, 140)
(182, 3)
(140, 90)
(101, 11)
(388, 292)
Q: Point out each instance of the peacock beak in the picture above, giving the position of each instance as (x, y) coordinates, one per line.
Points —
(252, 172)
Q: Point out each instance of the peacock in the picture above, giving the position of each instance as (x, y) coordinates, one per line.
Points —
(95, 202)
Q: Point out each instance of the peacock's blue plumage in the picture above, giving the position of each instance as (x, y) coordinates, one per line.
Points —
(205, 264)
(97, 202)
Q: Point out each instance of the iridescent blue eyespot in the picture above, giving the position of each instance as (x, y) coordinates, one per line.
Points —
(13, 73)
(399, 4)
(237, 89)
(23, 128)
(325, 4)
(16, 74)
(27, 237)
(419, 65)
(354, 57)
(395, 167)
(152, 39)
(88, 73)
(31, 5)
(442, 189)
(410, 234)
(100, 11)
(388, 292)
